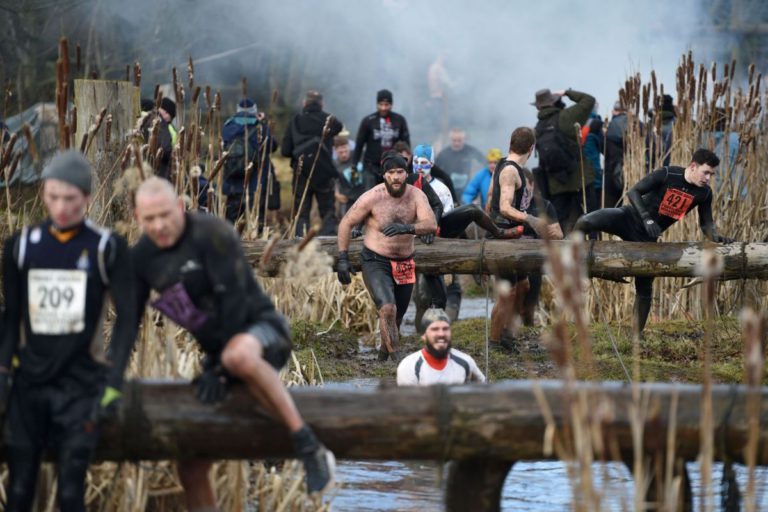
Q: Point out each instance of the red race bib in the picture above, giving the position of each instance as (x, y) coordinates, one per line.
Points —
(675, 203)
(404, 272)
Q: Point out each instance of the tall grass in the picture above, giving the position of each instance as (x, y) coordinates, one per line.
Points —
(705, 97)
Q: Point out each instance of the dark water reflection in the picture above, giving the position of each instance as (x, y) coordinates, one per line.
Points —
(373, 486)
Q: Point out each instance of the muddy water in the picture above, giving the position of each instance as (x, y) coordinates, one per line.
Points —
(379, 486)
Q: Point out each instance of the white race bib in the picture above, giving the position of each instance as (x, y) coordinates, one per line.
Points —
(56, 301)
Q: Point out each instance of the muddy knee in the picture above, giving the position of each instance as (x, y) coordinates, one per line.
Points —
(388, 312)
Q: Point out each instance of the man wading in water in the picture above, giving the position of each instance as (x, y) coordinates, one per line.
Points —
(394, 214)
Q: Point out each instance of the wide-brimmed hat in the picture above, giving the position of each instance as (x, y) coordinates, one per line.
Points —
(545, 98)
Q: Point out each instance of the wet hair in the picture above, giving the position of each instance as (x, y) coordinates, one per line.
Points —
(340, 140)
(704, 156)
(522, 139)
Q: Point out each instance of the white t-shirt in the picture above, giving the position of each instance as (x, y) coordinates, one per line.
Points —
(415, 370)
(443, 193)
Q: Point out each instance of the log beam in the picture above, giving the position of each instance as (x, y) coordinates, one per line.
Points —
(502, 421)
(606, 259)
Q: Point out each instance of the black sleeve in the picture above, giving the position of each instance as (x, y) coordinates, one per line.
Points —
(335, 127)
(362, 136)
(231, 278)
(706, 223)
(652, 181)
(406, 137)
(286, 148)
(12, 293)
(122, 288)
(165, 142)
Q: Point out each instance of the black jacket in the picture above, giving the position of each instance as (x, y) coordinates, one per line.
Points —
(304, 136)
(379, 134)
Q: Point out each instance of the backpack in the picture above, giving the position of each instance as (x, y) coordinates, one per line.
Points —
(557, 157)
(234, 166)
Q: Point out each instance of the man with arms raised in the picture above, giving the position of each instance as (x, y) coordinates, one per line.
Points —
(205, 284)
(437, 362)
(394, 213)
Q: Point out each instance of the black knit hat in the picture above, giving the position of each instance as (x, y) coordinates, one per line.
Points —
(392, 160)
(169, 106)
(384, 95)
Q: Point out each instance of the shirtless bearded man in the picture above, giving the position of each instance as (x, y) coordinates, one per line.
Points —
(394, 213)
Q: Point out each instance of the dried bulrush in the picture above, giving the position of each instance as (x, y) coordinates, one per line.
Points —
(754, 335)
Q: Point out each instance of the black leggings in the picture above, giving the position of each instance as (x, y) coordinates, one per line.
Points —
(453, 223)
(377, 276)
(59, 418)
(623, 223)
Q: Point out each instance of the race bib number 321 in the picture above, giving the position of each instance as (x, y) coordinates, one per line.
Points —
(675, 203)
(56, 301)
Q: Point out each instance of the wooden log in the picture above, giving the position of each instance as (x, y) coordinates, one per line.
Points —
(502, 421)
(609, 259)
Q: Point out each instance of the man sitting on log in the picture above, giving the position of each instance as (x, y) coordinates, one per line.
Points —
(512, 206)
(205, 284)
(656, 202)
(437, 362)
(394, 214)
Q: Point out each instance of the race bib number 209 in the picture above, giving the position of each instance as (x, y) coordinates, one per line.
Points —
(56, 301)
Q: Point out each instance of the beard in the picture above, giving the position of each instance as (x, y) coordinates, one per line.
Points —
(438, 354)
(395, 193)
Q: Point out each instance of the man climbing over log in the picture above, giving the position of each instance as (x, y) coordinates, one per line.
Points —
(656, 202)
(205, 284)
(394, 213)
(512, 207)
(56, 276)
(437, 362)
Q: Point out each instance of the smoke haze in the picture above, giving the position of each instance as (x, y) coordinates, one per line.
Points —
(496, 53)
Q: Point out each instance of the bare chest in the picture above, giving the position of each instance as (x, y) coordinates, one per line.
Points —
(388, 211)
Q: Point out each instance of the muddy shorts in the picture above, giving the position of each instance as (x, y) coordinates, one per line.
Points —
(380, 282)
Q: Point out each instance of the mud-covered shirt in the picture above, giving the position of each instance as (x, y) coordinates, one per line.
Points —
(523, 195)
(55, 285)
(666, 197)
(204, 282)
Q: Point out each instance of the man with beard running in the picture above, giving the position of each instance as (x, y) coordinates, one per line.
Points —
(394, 213)
(205, 284)
(656, 202)
(437, 362)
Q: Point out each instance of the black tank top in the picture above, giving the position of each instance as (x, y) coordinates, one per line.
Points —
(496, 215)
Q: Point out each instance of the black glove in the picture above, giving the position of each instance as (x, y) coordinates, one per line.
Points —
(343, 268)
(211, 385)
(107, 405)
(357, 232)
(396, 228)
(720, 239)
(653, 229)
(5, 389)
(428, 238)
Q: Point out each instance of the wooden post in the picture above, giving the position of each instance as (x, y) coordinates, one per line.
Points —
(106, 139)
(475, 485)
